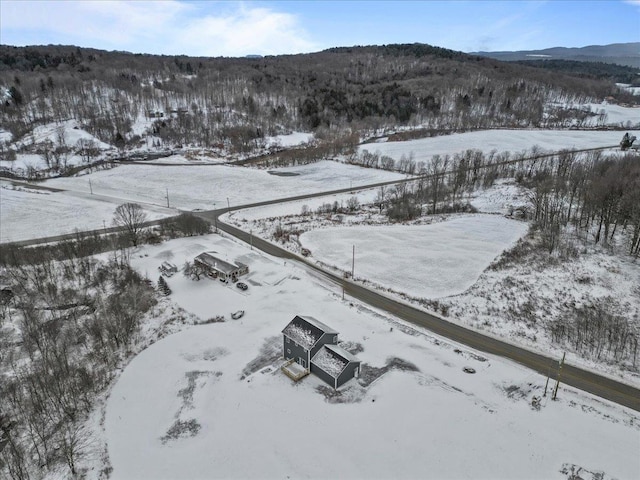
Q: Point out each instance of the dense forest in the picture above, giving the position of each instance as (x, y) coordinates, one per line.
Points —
(599, 70)
(236, 102)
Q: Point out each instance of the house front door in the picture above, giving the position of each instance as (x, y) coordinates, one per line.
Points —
(302, 362)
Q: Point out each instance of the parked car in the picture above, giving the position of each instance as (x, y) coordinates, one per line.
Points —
(168, 269)
(237, 315)
(242, 286)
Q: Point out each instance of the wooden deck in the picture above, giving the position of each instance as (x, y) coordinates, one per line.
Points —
(294, 371)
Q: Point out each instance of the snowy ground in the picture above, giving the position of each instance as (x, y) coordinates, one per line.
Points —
(290, 140)
(29, 213)
(210, 402)
(500, 140)
(518, 300)
(626, 86)
(35, 214)
(192, 187)
(424, 261)
(617, 115)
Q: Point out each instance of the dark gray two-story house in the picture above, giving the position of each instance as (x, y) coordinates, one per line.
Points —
(314, 346)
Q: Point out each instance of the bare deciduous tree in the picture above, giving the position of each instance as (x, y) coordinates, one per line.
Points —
(131, 217)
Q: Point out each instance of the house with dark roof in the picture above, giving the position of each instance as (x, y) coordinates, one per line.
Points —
(314, 347)
(218, 268)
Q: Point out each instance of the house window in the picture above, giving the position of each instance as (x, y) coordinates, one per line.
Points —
(335, 338)
(287, 339)
(288, 350)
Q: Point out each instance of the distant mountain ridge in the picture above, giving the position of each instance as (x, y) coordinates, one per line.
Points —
(616, 53)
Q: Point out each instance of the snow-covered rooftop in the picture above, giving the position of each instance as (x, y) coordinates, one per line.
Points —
(305, 337)
(216, 263)
(342, 353)
(328, 361)
(317, 324)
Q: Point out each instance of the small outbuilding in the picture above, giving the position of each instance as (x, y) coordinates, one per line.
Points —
(314, 346)
(218, 268)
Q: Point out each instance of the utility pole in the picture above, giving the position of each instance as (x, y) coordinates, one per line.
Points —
(251, 238)
(104, 224)
(555, 390)
(167, 197)
(353, 261)
(228, 206)
(547, 384)
(90, 187)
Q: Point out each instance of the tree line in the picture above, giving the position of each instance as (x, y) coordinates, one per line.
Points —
(234, 103)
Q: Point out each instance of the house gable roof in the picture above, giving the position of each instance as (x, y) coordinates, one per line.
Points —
(317, 323)
(306, 330)
(341, 352)
(333, 359)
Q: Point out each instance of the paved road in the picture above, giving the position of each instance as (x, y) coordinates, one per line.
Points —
(591, 382)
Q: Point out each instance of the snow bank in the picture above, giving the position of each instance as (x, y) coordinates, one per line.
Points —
(68, 130)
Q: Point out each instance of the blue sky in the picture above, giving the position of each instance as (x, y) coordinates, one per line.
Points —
(233, 28)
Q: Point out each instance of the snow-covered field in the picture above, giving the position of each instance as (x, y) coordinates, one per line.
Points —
(290, 140)
(36, 214)
(500, 140)
(424, 261)
(192, 187)
(209, 402)
(29, 213)
(616, 114)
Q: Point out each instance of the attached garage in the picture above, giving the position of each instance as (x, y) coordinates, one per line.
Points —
(334, 365)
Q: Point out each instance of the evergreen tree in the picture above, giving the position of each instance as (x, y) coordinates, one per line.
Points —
(163, 286)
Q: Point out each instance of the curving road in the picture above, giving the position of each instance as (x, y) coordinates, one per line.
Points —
(591, 382)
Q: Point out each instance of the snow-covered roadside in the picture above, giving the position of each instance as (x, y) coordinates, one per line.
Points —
(189, 406)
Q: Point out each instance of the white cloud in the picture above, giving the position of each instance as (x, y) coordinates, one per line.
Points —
(256, 30)
(169, 26)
